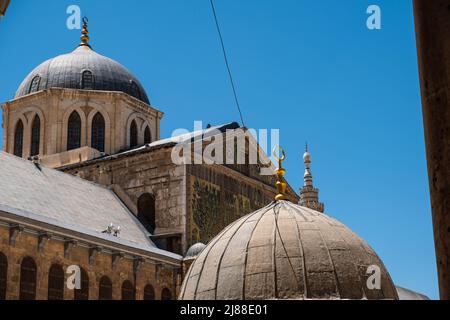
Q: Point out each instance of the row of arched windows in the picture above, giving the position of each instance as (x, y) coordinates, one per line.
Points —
(97, 129)
(56, 282)
(74, 134)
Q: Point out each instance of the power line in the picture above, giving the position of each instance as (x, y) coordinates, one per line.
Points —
(226, 62)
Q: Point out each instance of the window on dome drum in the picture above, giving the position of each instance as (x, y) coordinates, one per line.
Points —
(35, 136)
(105, 289)
(147, 135)
(133, 134)
(166, 294)
(34, 85)
(56, 282)
(3, 275)
(98, 132)
(28, 272)
(74, 131)
(18, 139)
(83, 293)
(146, 211)
(149, 292)
(135, 92)
(87, 80)
(128, 291)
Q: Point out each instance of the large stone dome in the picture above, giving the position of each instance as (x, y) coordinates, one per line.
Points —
(285, 251)
(83, 68)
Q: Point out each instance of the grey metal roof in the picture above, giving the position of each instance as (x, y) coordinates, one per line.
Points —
(65, 71)
(53, 197)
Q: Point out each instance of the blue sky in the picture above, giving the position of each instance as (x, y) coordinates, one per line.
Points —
(310, 68)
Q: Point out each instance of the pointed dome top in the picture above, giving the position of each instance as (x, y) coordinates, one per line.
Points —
(82, 68)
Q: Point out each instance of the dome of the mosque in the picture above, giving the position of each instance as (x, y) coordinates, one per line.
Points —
(83, 68)
(286, 251)
(195, 250)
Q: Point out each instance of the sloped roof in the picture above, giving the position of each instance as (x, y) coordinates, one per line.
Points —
(57, 198)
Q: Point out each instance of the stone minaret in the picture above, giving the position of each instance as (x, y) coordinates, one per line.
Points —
(309, 196)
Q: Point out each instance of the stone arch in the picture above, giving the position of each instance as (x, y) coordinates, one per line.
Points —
(28, 279)
(144, 126)
(65, 124)
(149, 292)
(166, 294)
(56, 282)
(136, 116)
(108, 137)
(146, 206)
(128, 292)
(12, 129)
(83, 293)
(33, 112)
(105, 288)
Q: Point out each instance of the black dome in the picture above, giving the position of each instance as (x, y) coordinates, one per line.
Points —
(82, 69)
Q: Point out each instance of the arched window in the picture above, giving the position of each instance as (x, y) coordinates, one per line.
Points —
(128, 291)
(56, 282)
(149, 292)
(146, 211)
(35, 136)
(133, 134)
(34, 85)
(18, 139)
(135, 92)
(83, 293)
(147, 135)
(105, 289)
(98, 132)
(87, 80)
(166, 294)
(27, 279)
(74, 131)
(3, 275)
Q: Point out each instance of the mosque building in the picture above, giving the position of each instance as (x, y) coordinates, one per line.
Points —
(87, 182)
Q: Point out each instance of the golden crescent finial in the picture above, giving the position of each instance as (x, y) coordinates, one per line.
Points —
(283, 155)
(280, 184)
(85, 33)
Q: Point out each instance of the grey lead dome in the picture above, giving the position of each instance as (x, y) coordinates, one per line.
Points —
(285, 251)
(65, 71)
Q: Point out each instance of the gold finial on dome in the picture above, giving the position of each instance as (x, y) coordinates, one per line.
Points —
(280, 171)
(85, 33)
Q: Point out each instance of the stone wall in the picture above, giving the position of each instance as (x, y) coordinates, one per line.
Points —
(150, 272)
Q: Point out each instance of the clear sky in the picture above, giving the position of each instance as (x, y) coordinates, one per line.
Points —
(310, 68)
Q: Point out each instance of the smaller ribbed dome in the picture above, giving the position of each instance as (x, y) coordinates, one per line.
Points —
(285, 251)
(195, 250)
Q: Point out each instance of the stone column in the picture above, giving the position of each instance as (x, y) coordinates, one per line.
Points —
(432, 20)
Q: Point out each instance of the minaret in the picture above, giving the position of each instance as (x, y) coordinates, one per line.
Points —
(309, 196)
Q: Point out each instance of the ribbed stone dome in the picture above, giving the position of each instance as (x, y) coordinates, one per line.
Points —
(66, 71)
(285, 251)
